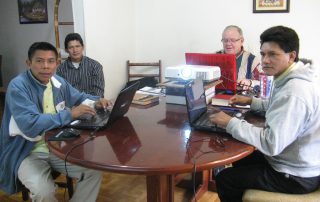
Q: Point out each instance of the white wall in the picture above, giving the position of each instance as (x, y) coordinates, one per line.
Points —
(110, 34)
(169, 28)
(149, 30)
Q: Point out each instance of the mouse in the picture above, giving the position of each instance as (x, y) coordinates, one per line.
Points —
(70, 133)
(238, 114)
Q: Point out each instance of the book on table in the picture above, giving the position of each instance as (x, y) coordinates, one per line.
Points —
(144, 99)
(222, 100)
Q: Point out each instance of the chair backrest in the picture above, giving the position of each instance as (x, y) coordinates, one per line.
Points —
(137, 70)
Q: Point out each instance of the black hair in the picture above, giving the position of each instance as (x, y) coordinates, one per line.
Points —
(41, 46)
(285, 37)
(72, 37)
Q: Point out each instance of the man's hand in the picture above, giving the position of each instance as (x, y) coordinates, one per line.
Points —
(103, 104)
(245, 84)
(221, 119)
(77, 111)
(240, 100)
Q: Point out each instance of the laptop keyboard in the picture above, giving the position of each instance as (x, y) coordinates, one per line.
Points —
(97, 119)
(205, 121)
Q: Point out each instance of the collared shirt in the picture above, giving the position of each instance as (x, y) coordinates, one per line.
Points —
(239, 60)
(48, 108)
(286, 72)
(88, 77)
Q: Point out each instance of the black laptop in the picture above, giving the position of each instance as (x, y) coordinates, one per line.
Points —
(105, 118)
(144, 81)
(198, 112)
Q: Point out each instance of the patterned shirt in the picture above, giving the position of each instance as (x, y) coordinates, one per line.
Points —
(87, 78)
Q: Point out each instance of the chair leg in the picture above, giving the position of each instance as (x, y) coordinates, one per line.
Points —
(25, 194)
(68, 185)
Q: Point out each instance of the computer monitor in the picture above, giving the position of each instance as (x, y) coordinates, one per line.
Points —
(226, 62)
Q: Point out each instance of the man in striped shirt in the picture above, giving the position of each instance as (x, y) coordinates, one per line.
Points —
(82, 72)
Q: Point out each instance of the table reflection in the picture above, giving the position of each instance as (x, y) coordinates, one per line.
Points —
(123, 143)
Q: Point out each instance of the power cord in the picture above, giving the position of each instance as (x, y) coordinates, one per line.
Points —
(91, 137)
(215, 140)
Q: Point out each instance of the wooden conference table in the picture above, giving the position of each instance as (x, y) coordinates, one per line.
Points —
(156, 142)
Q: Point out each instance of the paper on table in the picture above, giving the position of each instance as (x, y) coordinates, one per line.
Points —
(149, 91)
(225, 103)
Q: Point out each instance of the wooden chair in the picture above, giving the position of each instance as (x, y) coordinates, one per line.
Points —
(252, 195)
(55, 174)
(147, 69)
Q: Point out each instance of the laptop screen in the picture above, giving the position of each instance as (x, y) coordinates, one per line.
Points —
(195, 99)
(226, 62)
(144, 81)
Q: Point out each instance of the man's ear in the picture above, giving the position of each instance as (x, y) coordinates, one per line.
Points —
(292, 55)
(28, 62)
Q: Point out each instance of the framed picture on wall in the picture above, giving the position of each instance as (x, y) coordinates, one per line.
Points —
(33, 11)
(271, 6)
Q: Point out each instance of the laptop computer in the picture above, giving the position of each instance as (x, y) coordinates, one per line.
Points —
(227, 64)
(104, 118)
(144, 81)
(198, 112)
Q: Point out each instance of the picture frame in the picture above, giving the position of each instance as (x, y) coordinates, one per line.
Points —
(271, 6)
(33, 11)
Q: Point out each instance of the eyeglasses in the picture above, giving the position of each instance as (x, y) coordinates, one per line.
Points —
(230, 40)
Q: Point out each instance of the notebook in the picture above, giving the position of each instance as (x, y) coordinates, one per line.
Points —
(105, 118)
(227, 64)
(222, 100)
(198, 112)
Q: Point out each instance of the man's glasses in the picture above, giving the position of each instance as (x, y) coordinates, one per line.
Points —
(230, 40)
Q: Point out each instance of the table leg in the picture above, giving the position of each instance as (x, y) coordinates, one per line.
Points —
(203, 187)
(160, 188)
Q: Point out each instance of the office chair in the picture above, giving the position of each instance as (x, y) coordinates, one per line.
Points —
(147, 69)
(55, 174)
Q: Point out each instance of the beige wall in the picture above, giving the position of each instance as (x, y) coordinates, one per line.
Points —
(148, 30)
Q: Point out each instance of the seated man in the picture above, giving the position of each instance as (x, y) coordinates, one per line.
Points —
(38, 101)
(288, 146)
(84, 73)
(248, 65)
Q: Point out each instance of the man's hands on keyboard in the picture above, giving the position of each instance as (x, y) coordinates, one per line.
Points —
(82, 112)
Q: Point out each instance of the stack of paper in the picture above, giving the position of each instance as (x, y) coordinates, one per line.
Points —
(144, 99)
(223, 100)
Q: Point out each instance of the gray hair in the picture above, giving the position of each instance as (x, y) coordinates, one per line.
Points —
(234, 27)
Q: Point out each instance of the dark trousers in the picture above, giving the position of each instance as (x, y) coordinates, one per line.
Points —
(254, 172)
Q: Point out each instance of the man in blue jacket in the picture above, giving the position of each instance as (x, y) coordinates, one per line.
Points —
(38, 101)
